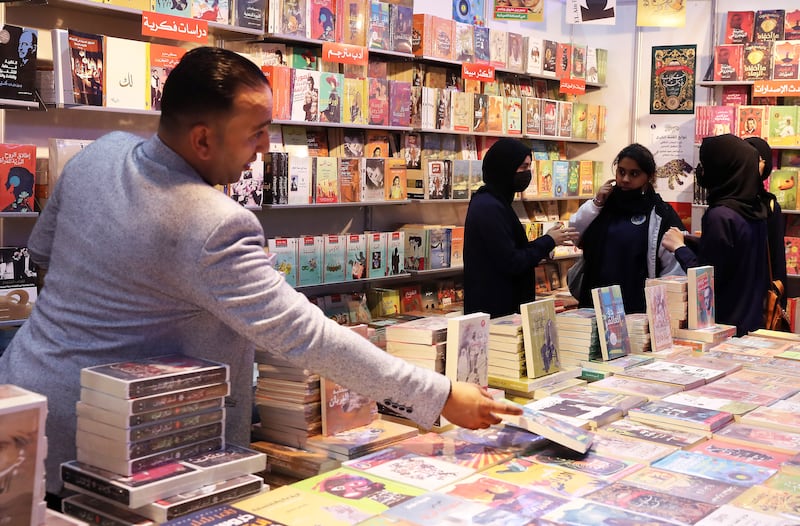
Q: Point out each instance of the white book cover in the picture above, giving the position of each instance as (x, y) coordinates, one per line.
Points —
(299, 180)
(335, 252)
(285, 250)
(23, 448)
(127, 72)
(533, 64)
(467, 357)
(373, 179)
(248, 191)
(305, 95)
(658, 318)
(61, 151)
(701, 297)
(401, 466)
(540, 337)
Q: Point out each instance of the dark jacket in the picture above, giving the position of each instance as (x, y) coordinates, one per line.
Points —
(498, 265)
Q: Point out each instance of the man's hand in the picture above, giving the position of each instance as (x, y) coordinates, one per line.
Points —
(472, 407)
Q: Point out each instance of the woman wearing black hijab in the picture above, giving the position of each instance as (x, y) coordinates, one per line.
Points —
(498, 258)
(776, 225)
(734, 232)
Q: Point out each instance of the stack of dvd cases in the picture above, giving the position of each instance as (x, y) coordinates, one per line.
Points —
(151, 439)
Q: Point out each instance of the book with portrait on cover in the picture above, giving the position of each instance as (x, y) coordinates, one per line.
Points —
(611, 325)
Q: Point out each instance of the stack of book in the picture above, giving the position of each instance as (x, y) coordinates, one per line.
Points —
(24, 446)
(677, 297)
(422, 342)
(360, 441)
(638, 333)
(151, 442)
(578, 339)
(506, 349)
(288, 400)
(287, 465)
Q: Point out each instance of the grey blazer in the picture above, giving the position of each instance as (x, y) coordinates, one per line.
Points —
(145, 258)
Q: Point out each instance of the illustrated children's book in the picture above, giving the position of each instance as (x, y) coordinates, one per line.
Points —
(611, 325)
(540, 337)
(701, 297)
(467, 348)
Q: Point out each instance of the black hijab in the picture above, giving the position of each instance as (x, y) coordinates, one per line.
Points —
(729, 165)
(500, 163)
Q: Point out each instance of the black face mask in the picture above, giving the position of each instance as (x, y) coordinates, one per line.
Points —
(521, 180)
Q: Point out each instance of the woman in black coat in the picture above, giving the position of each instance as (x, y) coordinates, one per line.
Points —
(498, 258)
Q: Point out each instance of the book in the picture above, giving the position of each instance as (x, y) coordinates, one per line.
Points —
(578, 413)
(126, 74)
(152, 430)
(781, 415)
(86, 66)
(467, 348)
(769, 25)
(728, 514)
(540, 336)
(728, 62)
(374, 180)
(701, 297)
(771, 439)
(680, 438)
(285, 251)
(715, 468)
(575, 512)
(650, 390)
(682, 485)
(652, 502)
(669, 414)
(622, 447)
(343, 409)
(551, 428)
(426, 472)
(18, 170)
(751, 454)
(739, 27)
(684, 375)
(96, 511)
(785, 60)
(19, 53)
(611, 325)
(590, 463)
(152, 376)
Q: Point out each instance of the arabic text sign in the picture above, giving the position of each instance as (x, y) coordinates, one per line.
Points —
(572, 86)
(776, 88)
(161, 25)
(345, 53)
(479, 72)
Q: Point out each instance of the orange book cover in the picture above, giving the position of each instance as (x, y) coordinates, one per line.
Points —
(163, 60)
(17, 170)
(739, 27)
(351, 22)
(728, 62)
(396, 179)
(442, 37)
(280, 78)
(563, 60)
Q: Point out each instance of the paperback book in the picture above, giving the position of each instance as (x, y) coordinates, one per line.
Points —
(551, 428)
(701, 297)
(467, 348)
(611, 325)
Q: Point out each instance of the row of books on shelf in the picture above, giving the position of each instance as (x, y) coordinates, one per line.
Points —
(775, 124)
(776, 60)
(782, 181)
(242, 13)
(763, 25)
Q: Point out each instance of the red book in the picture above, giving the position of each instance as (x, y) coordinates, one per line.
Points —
(728, 62)
(735, 95)
(322, 19)
(739, 27)
(17, 171)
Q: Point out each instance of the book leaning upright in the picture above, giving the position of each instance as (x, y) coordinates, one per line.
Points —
(701, 297)
(24, 446)
(611, 325)
(467, 356)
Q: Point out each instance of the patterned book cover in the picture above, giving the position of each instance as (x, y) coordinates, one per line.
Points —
(614, 341)
(772, 439)
(757, 60)
(653, 502)
(769, 25)
(715, 468)
(682, 485)
(455, 450)
(425, 472)
(769, 500)
(701, 297)
(540, 337)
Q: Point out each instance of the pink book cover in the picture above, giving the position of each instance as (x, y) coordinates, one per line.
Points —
(716, 447)
(792, 255)
(322, 19)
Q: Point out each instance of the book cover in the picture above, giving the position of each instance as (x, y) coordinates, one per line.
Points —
(728, 62)
(150, 376)
(680, 438)
(467, 348)
(395, 250)
(565, 119)
(352, 18)
(576, 512)
(769, 25)
(579, 413)
(213, 11)
(481, 45)
(605, 468)
(498, 48)
(715, 468)
(549, 118)
(163, 60)
(18, 169)
(750, 454)
(248, 13)
(292, 505)
(356, 247)
(739, 27)
(558, 431)
(686, 486)
(626, 448)
(378, 36)
(752, 121)
(552, 480)
(309, 260)
(343, 409)
(464, 39)
(757, 60)
(350, 179)
(326, 179)
(540, 336)
(378, 105)
(611, 325)
(652, 502)
(126, 78)
(671, 414)
(18, 50)
(439, 250)
(400, 24)
(560, 175)
(372, 184)
(701, 297)
(95, 511)
(86, 56)
(513, 112)
(335, 253)
(355, 101)
(426, 472)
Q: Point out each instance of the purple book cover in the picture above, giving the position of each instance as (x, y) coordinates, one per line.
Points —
(399, 103)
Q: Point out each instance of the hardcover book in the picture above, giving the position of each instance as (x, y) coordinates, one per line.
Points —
(611, 325)
(701, 297)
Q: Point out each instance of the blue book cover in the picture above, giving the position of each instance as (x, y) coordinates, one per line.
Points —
(481, 44)
(715, 468)
(560, 178)
(309, 260)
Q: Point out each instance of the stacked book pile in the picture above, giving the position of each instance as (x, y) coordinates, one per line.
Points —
(422, 341)
(288, 401)
(151, 442)
(506, 348)
(677, 298)
(638, 332)
(23, 448)
(578, 338)
(287, 465)
(360, 441)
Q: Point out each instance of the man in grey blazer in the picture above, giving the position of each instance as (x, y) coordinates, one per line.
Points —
(158, 261)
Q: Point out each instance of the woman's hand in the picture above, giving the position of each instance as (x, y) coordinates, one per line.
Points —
(563, 234)
(673, 239)
(604, 192)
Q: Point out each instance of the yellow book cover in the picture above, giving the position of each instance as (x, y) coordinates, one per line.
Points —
(666, 13)
(291, 505)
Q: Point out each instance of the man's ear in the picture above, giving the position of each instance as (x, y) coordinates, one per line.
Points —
(200, 139)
